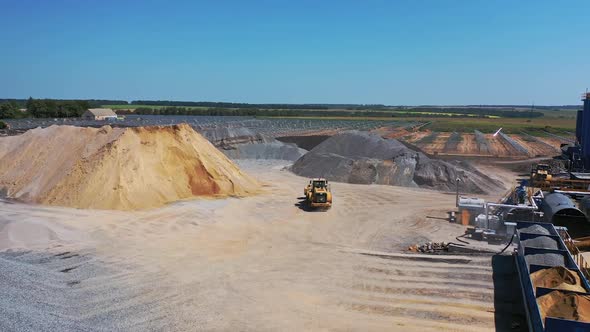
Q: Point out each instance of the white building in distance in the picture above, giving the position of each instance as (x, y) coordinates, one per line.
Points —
(99, 114)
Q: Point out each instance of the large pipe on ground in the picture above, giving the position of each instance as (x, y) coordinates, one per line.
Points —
(560, 210)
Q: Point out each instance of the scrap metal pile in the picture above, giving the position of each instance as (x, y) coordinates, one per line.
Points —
(430, 247)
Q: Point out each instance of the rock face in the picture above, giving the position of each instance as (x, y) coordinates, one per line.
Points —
(116, 168)
(364, 158)
(242, 143)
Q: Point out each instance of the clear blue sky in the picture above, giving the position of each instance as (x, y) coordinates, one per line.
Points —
(392, 52)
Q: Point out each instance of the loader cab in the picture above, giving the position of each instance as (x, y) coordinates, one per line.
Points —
(321, 184)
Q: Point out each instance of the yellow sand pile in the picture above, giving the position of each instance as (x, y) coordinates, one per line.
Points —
(567, 306)
(116, 168)
(557, 277)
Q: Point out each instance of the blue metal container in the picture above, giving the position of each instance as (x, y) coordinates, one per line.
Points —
(586, 131)
(579, 126)
(529, 294)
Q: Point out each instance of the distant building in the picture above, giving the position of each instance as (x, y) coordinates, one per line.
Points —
(99, 114)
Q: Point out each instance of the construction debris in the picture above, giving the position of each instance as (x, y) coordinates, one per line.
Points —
(430, 247)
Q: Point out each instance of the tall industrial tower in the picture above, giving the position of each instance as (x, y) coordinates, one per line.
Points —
(583, 129)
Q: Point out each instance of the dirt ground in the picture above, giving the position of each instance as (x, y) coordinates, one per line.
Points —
(251, 264)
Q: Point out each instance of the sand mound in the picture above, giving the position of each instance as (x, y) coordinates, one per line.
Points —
(242, 143)
(116, 168)
(562, 305)
(364, 158)
(557, 277)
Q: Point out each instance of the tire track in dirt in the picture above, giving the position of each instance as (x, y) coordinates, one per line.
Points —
(435, 292)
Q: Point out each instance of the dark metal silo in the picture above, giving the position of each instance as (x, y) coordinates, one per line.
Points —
(560, 210)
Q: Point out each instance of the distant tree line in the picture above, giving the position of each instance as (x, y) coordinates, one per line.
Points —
(47, 108)
(216, 111)
(11, 110)
(43, 108)
(479, 111)
(227, 105)
(51, 108)
(92, 103)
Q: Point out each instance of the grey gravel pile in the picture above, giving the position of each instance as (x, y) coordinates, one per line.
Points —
(269, 150)
(219, 134)
(268, 127)
(544, 242)
(482, 143)
(517, 146)
(365, 158)
(535, 229)
(243, 143)
(71, 291)
(545, 259)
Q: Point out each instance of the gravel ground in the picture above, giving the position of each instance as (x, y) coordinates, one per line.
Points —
(259, 263)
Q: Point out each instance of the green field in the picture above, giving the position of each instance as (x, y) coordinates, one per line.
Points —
(510, 125)
(561, 114)
(555, 121)
(536, 126)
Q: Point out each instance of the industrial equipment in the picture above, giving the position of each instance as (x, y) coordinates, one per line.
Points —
(317, 194)
(541, 174)
(560, 210)
(571, 182)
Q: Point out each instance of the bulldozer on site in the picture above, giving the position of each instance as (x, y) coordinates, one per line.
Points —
(541, 175)
(317, 194)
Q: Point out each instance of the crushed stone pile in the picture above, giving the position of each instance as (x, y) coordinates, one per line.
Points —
(557, 277)
(242, 143)
(116, 168)
(544, 242)
(545, 259)
(563, 305)
(535, 229)
(365, 158)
